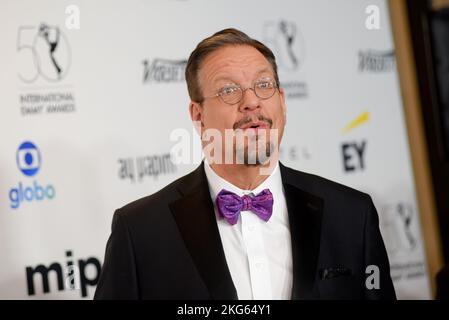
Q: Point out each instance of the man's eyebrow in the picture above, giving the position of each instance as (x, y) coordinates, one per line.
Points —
(227, 78)
(264, 70)
(224, 79)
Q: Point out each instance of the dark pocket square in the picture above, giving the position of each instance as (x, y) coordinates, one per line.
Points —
(330, 273)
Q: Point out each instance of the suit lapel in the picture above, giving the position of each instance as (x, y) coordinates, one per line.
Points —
(195, 217)
(305, 214)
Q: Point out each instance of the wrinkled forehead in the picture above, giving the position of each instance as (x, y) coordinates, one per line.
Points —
(235, 63)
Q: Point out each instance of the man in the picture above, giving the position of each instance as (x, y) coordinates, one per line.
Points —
(229, 229)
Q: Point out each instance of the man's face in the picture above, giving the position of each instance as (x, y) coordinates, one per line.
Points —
(242, 66)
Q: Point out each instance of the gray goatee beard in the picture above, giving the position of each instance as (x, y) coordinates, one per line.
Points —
(255, 158)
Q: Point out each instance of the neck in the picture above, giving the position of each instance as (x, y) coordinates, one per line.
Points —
(243, 176)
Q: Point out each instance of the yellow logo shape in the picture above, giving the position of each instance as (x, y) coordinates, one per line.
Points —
(361, 119)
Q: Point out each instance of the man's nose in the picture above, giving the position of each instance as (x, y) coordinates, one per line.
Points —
(249, 100)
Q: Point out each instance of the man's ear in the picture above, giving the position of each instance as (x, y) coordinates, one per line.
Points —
(196, 114)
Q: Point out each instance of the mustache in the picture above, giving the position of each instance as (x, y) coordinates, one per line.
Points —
(246, 120)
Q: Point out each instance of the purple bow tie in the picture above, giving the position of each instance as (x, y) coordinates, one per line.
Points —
(229, 205)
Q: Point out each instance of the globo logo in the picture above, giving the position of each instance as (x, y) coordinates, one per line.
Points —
(28, 158)
(31, 193)
(29, 161)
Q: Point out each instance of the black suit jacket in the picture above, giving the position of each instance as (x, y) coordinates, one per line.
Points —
(167, 245)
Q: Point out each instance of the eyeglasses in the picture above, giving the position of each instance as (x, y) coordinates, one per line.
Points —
(232, 94)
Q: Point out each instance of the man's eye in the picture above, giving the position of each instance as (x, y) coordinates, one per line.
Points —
(265, 85)
(228, 90)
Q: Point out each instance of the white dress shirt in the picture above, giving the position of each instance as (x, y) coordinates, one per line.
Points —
(258, 253)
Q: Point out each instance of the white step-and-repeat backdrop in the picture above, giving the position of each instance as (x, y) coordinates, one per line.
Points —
(92, 90)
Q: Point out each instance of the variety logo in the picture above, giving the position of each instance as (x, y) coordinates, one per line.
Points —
(71, 276)
(376, 61)
(163, 70)
(287, 43)
(29, 162)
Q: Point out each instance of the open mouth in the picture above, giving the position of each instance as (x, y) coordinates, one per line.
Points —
(256, 125)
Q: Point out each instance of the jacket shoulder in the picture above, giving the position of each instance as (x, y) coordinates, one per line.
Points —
(322, 187)
(155, 202)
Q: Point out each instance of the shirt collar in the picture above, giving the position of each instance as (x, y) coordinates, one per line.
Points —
(217, 183)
